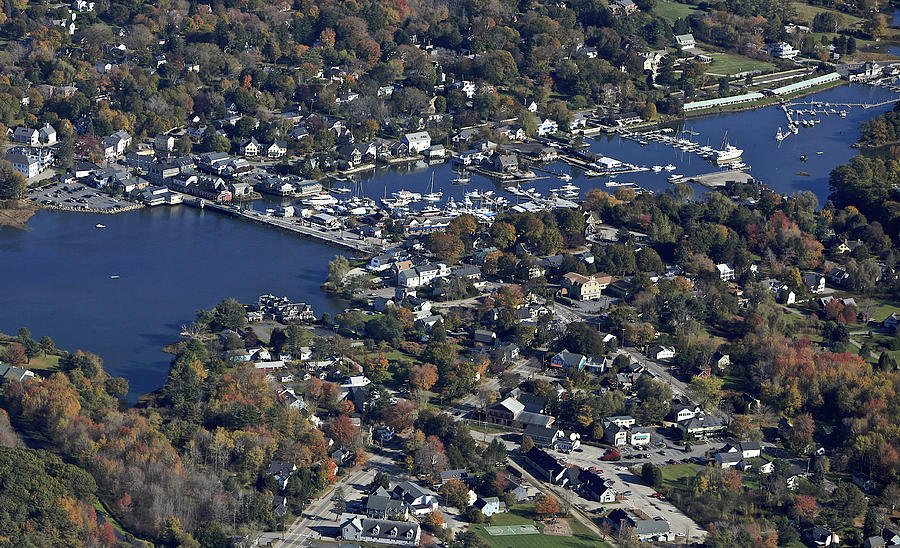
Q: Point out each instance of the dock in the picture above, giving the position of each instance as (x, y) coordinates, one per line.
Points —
(342, 239)
(718, 179)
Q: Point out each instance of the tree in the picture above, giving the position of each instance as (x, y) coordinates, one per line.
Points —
(652, 475)
(434, 521)
(380, 480)
(342, 430)
(337, 269)
(229, 314)
(47, 345)
(12, 183)
(875, 26)
(706, 391)
(455, 493)
(526, 445)
(546, 505)
(340, 501)
(400, 416)
(376, 368)
(423, 376)
(15, 355)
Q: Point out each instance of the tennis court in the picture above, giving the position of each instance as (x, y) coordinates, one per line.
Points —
(506, 530)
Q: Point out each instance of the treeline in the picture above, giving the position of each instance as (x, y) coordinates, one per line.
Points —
(881, 130)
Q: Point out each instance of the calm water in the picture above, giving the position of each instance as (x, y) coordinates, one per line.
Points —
(172, 261)
(55, 279)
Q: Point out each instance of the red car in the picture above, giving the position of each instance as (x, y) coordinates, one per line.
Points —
(611, 454)
(657, 495)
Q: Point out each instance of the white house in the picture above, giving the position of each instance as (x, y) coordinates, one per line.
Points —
(250, 147)
(47, 135)
(26, 135)
(417, 142)
(29, 166)
(661, 352)
(547, 127)
(115, 144)
(726, 271)
(685, 41)
(490, 505)
(276, 150)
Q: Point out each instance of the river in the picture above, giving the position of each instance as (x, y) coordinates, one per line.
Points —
(55, 277)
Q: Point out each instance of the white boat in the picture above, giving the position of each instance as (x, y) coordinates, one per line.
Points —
(114, 277)
(565, 177)
(779, 135)
(675, 177)
(657, 169)
(729, 153)
(406, 195)
(592, 173)
(737, 165)
(432, 196)
(843, 114)
(341, 190)
(430, 210)
(321, 200)
(98, 225)
(669, 167)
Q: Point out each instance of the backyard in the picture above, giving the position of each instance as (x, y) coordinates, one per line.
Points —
(673, 10)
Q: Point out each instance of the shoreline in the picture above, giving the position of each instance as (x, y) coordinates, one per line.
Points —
(763, 103)
(17, 217)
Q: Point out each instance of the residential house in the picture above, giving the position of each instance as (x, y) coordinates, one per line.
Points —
(564, 360)
(250, 147)
(420, 500)
(685, 41)
(661, 352)
(684, 412)
(380, 505)
(892, 321)
(47, 135)
(643, 530)
(821, 536)
(483, 336)
(164, 143)
(14, 374)
(490, 505)
(865, 483)
(585, 288)
(546, 127)
(622, 7)
(282, 472)
(459, 474)
(783, 50)
(848, 246)
(505, 412)
(27, 136)
(541, 436)
(379, 531)
(279, 505)
(726, 272)
(876, 541)
(593, 486)
(814, 282)
(702, 425)
(727, 460)
(417, 142)
(115, 144)
(278, 149)
(505, 163)
(746, 449)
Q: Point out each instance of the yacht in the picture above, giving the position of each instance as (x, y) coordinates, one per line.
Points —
(407, 196)
(657, 169)
(669, 167)
(114, 277)
(592, 173)
(321, 200)
(675, 177)
(843, 114)
(565, 177)
(729, 153)
(737, 165)
(98, 225)
(430, 211)
(779, 135)
(341, 190)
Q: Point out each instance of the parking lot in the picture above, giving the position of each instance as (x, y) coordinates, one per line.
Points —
(76, 196)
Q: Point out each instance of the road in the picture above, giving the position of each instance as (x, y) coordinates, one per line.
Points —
(678, 388)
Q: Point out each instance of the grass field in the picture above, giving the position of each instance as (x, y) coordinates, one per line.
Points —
(522, 515)
(728, 64)
(676, 476)
(673, 10)
(805, 13)
(44, 364)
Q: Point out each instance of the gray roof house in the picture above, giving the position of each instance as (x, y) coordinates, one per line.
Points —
(381, 531)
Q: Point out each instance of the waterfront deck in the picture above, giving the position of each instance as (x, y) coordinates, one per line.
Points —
(341, 238)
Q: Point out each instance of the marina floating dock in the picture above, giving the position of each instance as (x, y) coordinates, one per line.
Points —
(718, 179)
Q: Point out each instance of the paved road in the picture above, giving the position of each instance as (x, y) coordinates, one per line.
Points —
(678, 388)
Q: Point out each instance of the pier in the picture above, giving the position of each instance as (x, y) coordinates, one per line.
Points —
(342, 238)
(719, 179)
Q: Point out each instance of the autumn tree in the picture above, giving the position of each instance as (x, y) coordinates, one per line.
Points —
(455, 494)
(376, 368)
(423, 376)
(400, 416)
(342, 430)
(14, 354)
(526, 445)
(546, 506)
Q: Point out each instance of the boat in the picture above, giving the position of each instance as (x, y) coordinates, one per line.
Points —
(432, 196)
(592, 173)
(430, 211)
(321, 200)
(114, 277)
(669, 167)
(728, 154)
(804, 158)
(565, 177)
(460, 180)
(675, 177)
(820, 152)
(98, 225)
(843, 114)
(656, 169)
(407, 196)
(779, 135)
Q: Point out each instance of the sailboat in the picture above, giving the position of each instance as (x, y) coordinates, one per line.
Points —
(432, 196)
(461, 179)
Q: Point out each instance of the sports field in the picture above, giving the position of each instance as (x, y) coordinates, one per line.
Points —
(507, 530)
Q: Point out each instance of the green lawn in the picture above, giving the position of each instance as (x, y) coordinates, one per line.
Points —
(673, 10)
(885, 309)
(676, 476)
(44, 364)
(728, 63)
(581, 537)
(805, 13)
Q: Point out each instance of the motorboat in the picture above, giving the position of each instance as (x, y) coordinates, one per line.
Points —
(657, 169)
(114, 277)
(565, 177)
(729, 153)
(407, 196)
(321, 200)
(804, 158)
(675, 177)
(98, 225)
(779, 135)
